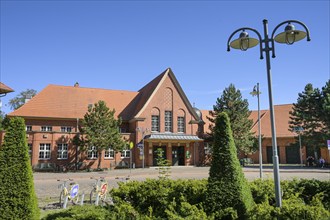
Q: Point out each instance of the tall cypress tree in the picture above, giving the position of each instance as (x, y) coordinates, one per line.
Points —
(17, 196)
(227, 186)
(238, 111)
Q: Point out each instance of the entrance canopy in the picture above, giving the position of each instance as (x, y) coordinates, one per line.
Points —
(172, 137)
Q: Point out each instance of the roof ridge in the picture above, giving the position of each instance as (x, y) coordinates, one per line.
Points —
(66, 86)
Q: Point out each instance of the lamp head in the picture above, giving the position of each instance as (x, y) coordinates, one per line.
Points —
(290, 35)
(244, 42)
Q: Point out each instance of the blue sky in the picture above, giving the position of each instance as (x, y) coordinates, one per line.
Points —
(123, 45)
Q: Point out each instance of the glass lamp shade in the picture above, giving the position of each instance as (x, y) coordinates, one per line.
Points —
(290, 35)
(244, 42)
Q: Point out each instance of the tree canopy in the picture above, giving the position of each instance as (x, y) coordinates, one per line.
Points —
(19, 100)
(101, 129)
(312, 113)
(237, 109)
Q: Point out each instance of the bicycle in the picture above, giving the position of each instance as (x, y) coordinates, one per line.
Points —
(99, 191)
(68, 193)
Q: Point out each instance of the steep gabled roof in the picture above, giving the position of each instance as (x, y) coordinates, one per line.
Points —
(56, 101)
(148, 91)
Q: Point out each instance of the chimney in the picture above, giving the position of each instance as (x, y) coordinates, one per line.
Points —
(27, 98)
(76, 84)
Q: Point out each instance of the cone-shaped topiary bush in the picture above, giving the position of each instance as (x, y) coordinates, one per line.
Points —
(227, 188)
(17, 196)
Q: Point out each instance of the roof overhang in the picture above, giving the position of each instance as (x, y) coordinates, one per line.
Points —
(5, 89)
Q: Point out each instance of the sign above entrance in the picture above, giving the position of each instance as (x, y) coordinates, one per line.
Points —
(140, 145)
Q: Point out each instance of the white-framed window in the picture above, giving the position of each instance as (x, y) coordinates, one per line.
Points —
(66, 129)
(155, 123)
(44, 151)
(28, 128)
(92, 152)
(126, 153)
(168, 121)
(46, 128)
(109, 153)
(30, 150)
(62, 151)
(181, 124)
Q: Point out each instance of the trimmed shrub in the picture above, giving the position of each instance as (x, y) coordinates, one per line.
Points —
(227, 186)
(86, 212)
(157, 195)
(18, 198)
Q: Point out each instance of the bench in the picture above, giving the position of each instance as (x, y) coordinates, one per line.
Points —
(44, 167)
(245, 161)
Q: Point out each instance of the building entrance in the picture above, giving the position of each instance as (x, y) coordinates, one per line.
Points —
(177, 156)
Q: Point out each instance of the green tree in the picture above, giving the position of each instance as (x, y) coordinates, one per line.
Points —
(237, 109)
(325, 109)
(101, 129)
(18, 198)
(2, 117)
(310, 113)
(227, 187)
(19, 100)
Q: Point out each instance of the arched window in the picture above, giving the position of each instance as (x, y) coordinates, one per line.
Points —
(155, 119)
(181, 121)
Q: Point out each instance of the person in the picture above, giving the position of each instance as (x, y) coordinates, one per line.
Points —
(310, 161)
(321, 162)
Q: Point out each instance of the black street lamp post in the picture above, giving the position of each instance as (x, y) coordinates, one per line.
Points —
(244, 42)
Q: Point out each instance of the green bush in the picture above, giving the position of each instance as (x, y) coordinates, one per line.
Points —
(263, 191)
(17, 196)
(86, 212)
(184, 199)
(157, 195)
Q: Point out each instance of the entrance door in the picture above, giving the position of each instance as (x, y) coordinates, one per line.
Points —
(177, 156)
(292, 154)
(270, 154)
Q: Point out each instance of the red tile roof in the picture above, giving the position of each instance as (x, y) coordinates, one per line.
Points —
(5, 89)
(282, 118)
(72, 102)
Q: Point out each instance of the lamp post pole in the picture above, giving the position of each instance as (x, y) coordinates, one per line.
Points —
(257, 93)
(243, 43)
(143, 133)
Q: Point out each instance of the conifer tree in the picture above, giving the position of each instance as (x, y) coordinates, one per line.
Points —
(17, 196)
(307, 113)
(102, 129)
(238, 111)
(227, 187)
